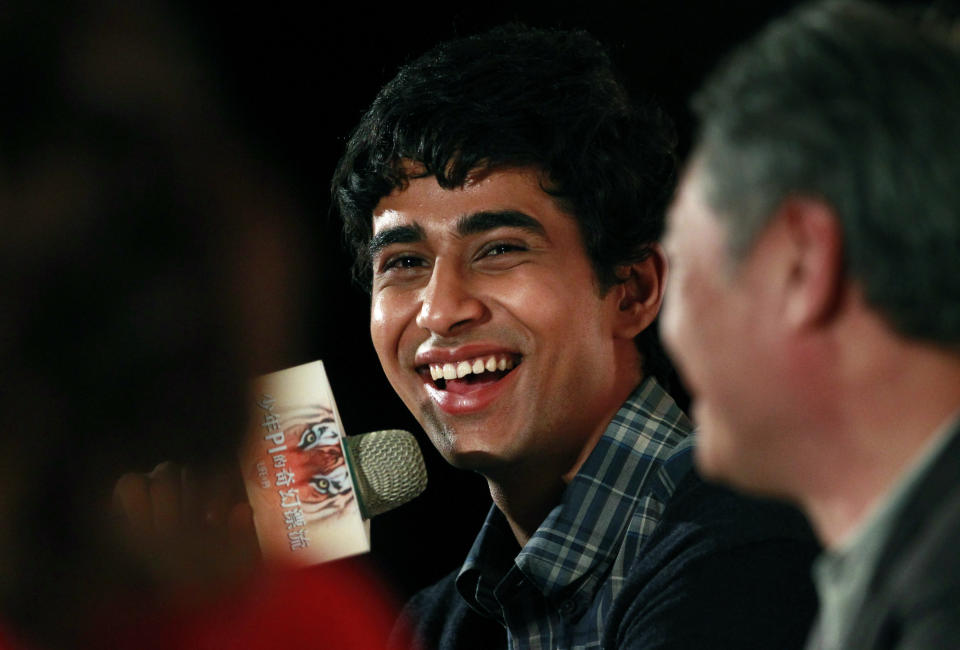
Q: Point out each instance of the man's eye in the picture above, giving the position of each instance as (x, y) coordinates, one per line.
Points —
(500, 249)
(402, 262)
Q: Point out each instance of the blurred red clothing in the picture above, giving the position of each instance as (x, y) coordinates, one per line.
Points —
(338, 605)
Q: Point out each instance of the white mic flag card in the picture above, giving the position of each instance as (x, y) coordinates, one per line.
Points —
(305, 508)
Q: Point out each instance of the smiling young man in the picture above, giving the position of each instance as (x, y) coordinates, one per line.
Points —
(817, 229)
(492, 329)
(504, 198)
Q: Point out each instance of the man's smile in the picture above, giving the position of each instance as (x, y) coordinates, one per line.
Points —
(473, 392)
(467, 378)
(482, 369)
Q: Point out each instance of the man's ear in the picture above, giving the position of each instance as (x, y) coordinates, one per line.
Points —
(639, 293)
(814, 278)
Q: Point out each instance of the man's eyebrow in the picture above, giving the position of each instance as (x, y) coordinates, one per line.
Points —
(394, 235)
(478, 222)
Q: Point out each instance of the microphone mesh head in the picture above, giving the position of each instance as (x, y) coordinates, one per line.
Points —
(388, 469)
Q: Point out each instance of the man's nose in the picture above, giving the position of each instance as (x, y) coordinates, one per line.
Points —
(449, 302)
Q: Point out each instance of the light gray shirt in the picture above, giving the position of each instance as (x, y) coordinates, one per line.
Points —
(842, 576)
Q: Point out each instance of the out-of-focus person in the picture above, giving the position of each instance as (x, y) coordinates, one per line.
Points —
(814, 308)
(148, 269)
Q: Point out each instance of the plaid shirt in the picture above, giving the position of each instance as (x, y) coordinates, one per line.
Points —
(557, 592)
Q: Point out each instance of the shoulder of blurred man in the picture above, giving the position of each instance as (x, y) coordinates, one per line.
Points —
(915, 602)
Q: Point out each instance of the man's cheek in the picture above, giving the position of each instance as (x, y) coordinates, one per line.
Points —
(669, 323)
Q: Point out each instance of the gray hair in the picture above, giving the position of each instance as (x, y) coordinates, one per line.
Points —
(858, 106)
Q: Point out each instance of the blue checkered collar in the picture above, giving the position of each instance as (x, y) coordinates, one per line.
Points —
(618, 493)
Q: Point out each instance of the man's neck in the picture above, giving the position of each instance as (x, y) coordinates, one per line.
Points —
(527, 503)
(890, 418)
(526, 494)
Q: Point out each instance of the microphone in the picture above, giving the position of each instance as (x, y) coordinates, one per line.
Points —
(312, 488)
(387, 468)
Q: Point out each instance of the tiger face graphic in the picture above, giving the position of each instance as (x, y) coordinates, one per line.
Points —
(314, 464)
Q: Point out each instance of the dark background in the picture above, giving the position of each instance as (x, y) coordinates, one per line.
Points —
(296, 79)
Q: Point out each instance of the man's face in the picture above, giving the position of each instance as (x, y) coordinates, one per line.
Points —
(489, 324)
(714, 326)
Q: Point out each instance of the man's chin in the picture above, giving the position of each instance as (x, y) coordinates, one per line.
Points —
(722, 465)
(482, 462)
(712, 453)
(465, 446)
(705, 461)
(714, 457)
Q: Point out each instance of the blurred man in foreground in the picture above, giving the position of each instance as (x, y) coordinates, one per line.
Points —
(146, 270)
(814, 308)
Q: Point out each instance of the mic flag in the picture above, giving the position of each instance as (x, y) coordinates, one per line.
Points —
(313, 489)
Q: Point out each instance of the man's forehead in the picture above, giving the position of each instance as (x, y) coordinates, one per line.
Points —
(423, 201)
(404, 231)
(687, 199)
(388, 218)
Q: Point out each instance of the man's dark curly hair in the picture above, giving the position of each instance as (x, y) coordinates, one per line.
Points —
(518, 96)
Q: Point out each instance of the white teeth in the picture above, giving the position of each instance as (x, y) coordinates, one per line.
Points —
(461, 369)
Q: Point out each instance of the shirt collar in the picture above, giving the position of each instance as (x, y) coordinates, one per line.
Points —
(842, 576)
